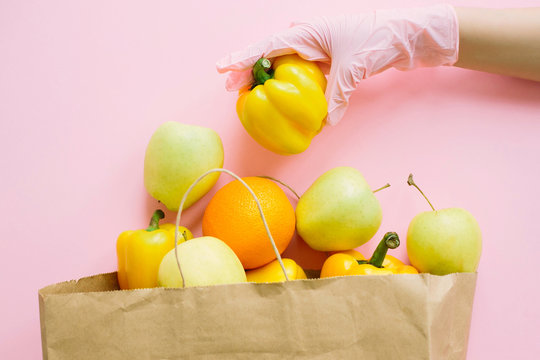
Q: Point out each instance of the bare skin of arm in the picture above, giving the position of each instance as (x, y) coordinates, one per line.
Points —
(502, 41)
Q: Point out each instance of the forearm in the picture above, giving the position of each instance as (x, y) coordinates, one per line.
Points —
(503, 41)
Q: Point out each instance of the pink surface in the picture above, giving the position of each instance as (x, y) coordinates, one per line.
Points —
(84, 85)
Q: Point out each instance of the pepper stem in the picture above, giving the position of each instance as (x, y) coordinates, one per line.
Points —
(381, 188)
(262, 71)
(389, 241)
(411, 182)
(154, 221)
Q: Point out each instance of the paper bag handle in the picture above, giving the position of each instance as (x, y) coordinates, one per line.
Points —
(179, 214)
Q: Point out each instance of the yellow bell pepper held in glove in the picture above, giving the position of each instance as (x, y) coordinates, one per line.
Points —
(140, 252)
(285, 107)
(342, 264)
(272, 272)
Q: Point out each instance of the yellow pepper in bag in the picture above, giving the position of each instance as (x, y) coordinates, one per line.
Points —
(285, 108)
(340, 263)
(272, 272)
(140, 252)
(397, 266)
(343, 264)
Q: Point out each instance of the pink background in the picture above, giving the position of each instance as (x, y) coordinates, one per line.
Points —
(83, 85)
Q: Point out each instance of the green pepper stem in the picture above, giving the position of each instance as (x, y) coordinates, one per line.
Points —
(389, 241)
(154, 221)
(262, 71)
(411, 182)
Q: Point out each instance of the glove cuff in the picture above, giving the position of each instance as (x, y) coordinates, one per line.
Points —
(421, 37)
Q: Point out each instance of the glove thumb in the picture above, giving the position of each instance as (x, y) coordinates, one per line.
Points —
(341, 83)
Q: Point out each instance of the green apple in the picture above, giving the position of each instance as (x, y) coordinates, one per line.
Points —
(444, 241)
(204, 261)
(176, 155)
(338, 211)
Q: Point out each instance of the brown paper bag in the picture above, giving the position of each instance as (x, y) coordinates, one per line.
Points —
(358, 317)
(355, 317)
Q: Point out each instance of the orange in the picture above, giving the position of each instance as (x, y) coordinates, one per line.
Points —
(233, 217)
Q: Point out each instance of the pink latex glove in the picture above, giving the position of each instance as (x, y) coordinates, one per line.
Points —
(357, 46)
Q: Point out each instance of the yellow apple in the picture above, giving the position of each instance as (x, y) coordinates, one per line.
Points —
(338, 211)
(204, 261)
(444, 241)
(176, 155)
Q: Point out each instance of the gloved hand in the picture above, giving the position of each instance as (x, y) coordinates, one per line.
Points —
(357, 46)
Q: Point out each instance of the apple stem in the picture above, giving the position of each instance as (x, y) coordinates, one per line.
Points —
(154, 221)
(381, 188)
(280, 182)
(262, 71)
(411, 182)
(390, 240)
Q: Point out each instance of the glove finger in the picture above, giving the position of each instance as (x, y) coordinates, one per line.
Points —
(240, 60)
(238, 80)
(299, 39)
(341, 84)
(325, 67)
(334, 117)
(302, 39)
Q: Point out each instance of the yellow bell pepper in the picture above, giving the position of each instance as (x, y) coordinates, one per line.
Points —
(340, 263)
(272, 272)
(347, 263)
(397, 266)
(140, 252)
(285, 108)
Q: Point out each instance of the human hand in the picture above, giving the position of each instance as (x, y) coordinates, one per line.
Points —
(356, 46)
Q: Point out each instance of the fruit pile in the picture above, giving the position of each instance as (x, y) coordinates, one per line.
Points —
(338, 213)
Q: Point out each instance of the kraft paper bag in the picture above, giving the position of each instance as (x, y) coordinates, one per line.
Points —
(356, 317)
